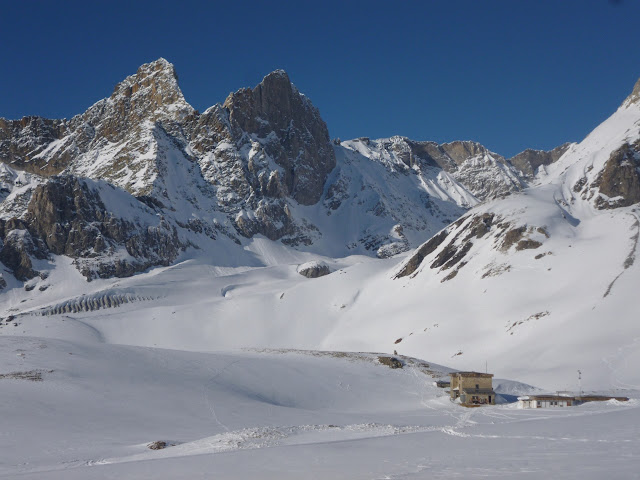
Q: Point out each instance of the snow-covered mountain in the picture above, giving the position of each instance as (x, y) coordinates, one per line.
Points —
(231, 201)
(547, 271)
(261, 163)
(238, 260)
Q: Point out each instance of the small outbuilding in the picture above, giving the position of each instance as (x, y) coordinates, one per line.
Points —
(545, 401)
(561, 400)
(472, 388)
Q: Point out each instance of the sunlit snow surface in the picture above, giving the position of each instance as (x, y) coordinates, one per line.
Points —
(198, 354)
(278, 414)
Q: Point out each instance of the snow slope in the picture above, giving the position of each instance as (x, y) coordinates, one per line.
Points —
(538, 284)
(206, 354)
(94, 408)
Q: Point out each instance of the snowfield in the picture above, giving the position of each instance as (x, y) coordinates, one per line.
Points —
(96, 407)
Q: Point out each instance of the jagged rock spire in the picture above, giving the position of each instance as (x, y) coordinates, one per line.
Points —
(302, 147)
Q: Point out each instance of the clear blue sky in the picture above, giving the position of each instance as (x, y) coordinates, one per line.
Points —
(509, 74)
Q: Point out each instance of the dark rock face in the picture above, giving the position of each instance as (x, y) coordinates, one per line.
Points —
(460, 151)
(21, 141)
(422, 252)
(152, 93)
(513, 236)
(391, 362)
(69, 218)
(528, 244)
(480, 226)
(17, 249)
(301, 145)
(451, 255)
(529, 160)
(271, 219)
(66, 214)
(620, 178)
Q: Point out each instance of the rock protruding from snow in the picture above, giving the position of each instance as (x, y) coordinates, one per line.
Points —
(530, 160)
(24, 143)
(454, 246)
(634, 97)
(471, 171)
(18, 248)
(314, 269)
(619, 181)
(70, 218)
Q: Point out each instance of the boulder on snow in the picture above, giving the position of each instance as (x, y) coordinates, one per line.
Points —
(314, 269)
(391, 362)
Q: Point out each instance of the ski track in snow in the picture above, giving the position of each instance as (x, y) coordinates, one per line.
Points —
(273, 437)
(210, 386)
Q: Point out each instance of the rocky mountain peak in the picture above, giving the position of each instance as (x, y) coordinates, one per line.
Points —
(159, 65)
(267, 107)
(289, 129)
(153, 89)
(635, 95)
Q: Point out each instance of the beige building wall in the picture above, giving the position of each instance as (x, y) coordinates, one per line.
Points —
(470, 383)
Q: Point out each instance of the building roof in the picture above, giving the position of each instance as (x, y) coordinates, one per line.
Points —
(578, 398)
(600, 398)
(471, 374)
(550, 396)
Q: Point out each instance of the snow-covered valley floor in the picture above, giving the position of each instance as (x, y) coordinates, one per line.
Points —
(84, 409)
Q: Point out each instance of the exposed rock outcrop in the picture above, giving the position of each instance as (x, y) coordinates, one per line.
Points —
(634, 97)
(25, 143)
(529, 160)
(313, 269)
(391, 362)
(619, 181)
(66, 216)
(416, 259)
(483, 173)
(17, 249)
